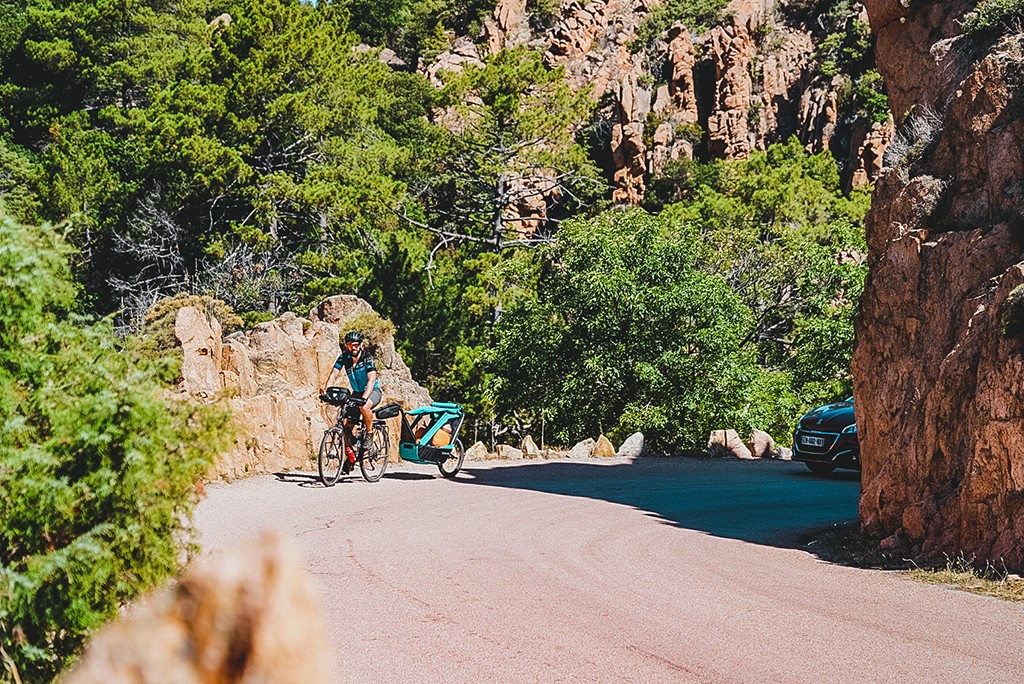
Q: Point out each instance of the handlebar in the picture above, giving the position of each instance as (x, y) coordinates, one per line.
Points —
(341, 396)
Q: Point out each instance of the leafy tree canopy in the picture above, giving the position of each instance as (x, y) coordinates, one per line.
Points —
(626, 334)
(791, 245)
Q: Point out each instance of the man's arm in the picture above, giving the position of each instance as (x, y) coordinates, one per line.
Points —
(331, 381)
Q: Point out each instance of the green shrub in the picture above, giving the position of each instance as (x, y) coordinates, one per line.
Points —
(627, 334)
(696, 15)
(1011, 323)
(374, 327)
(97, 468)
(991, 16)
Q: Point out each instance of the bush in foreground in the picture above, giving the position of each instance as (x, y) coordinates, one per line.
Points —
(97, 468)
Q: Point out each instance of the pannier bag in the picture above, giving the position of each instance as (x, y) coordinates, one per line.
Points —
(387, 411)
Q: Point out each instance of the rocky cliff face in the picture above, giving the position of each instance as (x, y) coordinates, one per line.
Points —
(740, 87)
(939, 364)
(271, 377)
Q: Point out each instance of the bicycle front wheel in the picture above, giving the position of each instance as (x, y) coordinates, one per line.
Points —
(332, 456)
(451, 466)
(375, 459)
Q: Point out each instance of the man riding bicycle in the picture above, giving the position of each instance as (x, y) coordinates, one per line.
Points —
(362, 376)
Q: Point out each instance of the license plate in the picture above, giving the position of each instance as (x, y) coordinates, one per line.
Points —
(812, 441)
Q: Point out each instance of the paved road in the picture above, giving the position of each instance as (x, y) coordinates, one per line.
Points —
(658, 570)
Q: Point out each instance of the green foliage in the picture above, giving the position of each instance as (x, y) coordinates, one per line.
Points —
(513, 143)
(846, 49)
(627, 334)
(377, 20)
(1012, 318)
(696, 15)
(869, 96)
(97, 469)
(429, 23)
(994, 16)
(19, 178)
(788, 241)
(375, 329)
(545, 12)
(256, 159)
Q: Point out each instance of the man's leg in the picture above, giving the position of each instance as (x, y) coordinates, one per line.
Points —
(367, 410)
(367, 435)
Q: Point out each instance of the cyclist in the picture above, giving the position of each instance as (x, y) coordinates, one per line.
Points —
(358, 364)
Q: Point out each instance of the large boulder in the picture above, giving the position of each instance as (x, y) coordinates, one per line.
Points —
(477, 452)
(507, 451)
(939, 361)
(271, 376)
(247, 616)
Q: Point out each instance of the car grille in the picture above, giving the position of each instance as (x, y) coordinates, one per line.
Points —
(828, 441)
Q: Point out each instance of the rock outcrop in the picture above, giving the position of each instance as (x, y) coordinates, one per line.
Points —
(740, 87)
(270, 377)
(247, 616)
(939, 362)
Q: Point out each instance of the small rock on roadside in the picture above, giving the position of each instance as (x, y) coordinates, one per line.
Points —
(530, 448)
(603, 448)
(507, 451)
(582, 450)
(633, 447)
(477, 452)
(761, 444)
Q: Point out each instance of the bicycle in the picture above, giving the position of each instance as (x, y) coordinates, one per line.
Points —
(337, 444)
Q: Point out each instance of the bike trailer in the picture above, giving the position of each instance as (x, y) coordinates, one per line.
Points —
(429, 432)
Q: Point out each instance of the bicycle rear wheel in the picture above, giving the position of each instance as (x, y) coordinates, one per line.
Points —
(451, 466)
(332, 456)
(375, 459)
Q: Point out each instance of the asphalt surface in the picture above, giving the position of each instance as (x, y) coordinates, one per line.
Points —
(656, 570)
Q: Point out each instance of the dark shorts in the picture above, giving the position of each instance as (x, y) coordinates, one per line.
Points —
(373, 399)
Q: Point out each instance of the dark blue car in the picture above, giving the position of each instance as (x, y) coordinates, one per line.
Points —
(826, 438)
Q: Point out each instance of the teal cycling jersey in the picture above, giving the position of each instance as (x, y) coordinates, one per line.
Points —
(358, 371)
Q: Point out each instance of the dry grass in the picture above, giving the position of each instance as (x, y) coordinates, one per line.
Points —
(845, 545)
(961, 573)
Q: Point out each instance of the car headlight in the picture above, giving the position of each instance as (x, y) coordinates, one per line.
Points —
(850, 429)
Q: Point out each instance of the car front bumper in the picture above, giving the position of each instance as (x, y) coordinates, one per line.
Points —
(816, 446)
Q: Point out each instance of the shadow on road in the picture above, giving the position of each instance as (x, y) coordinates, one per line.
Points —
(410, 476)
(313, 480)
(299, 478)
(765, 502)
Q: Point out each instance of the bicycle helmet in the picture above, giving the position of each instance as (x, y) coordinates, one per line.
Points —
(353, 336)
